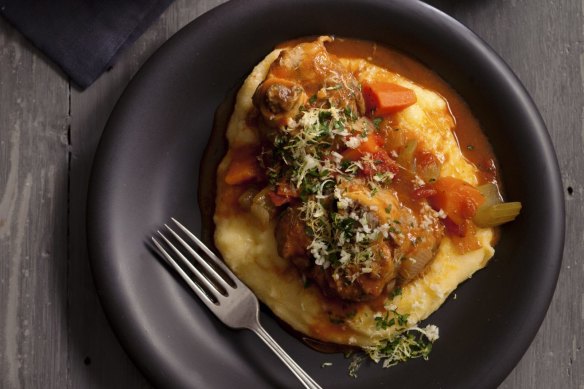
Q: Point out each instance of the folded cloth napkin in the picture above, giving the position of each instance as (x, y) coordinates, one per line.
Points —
(83, 37)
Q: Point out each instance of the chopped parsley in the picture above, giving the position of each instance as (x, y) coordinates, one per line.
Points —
(396, 292)
(383, 322)
(306, 155)
(410, 344)
(341, 318)
(334, 319)
(377, 122)
(414, 342)
(350, 114)
(402, 320)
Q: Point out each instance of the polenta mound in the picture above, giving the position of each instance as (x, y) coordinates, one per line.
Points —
(345, 201)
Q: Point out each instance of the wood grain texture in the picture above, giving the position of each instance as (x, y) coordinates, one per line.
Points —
(33, 208)
(97, 359)
(53, 332)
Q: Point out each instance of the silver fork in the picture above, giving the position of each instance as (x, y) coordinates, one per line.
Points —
(235, 305)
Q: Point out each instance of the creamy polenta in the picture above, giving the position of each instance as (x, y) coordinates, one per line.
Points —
(344, 200)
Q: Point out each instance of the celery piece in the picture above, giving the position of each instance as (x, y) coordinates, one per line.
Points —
(406, 156)
(497, 214)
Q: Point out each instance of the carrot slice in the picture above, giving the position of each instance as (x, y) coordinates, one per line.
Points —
(458, 199)
(370, 145)
(244, 167)
(383, 98)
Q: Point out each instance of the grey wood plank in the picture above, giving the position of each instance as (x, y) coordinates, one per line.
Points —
(542, 42)
(33, 229)
(97, 360)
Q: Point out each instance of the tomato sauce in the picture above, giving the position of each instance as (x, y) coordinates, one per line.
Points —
(472, 141)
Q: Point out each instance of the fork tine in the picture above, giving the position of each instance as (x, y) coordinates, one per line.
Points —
(210, 253)
(200, 276)
(199, 291)
(212, 272)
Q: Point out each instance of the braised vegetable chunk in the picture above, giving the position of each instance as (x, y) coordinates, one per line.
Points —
(292, 238)
(244, 167)
(458, 199)
(497, 214)
(382, 98)
(358, 213)
(494, 212)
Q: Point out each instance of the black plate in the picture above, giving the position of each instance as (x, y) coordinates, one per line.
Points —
(147, 170)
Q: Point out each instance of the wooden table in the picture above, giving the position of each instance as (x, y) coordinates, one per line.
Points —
(54, 333)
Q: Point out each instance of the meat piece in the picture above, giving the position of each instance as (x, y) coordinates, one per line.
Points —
(351, 283)
(278, 100)
(414, 253)
(292, 239)
(348, 284)
(306, 69)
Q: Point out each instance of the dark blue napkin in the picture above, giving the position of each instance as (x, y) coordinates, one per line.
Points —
(83, 37)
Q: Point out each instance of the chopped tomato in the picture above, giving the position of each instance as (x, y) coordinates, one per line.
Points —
(286, 190)
(382, 163)
(423, 192)
(428, 166)
(465, 240)
(278, 200)
(454, 229)
(458, 199)
(244, 167)
(426, 158)
(283, 194)
(383, 98)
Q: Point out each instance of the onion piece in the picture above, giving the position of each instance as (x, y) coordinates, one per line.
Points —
(246, 198)
(494, 212)
(430, 172)
(262, 208)
(406, 156)
(415, 263)
(491, 193)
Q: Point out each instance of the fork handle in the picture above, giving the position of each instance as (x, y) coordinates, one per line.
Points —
(304, 378)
